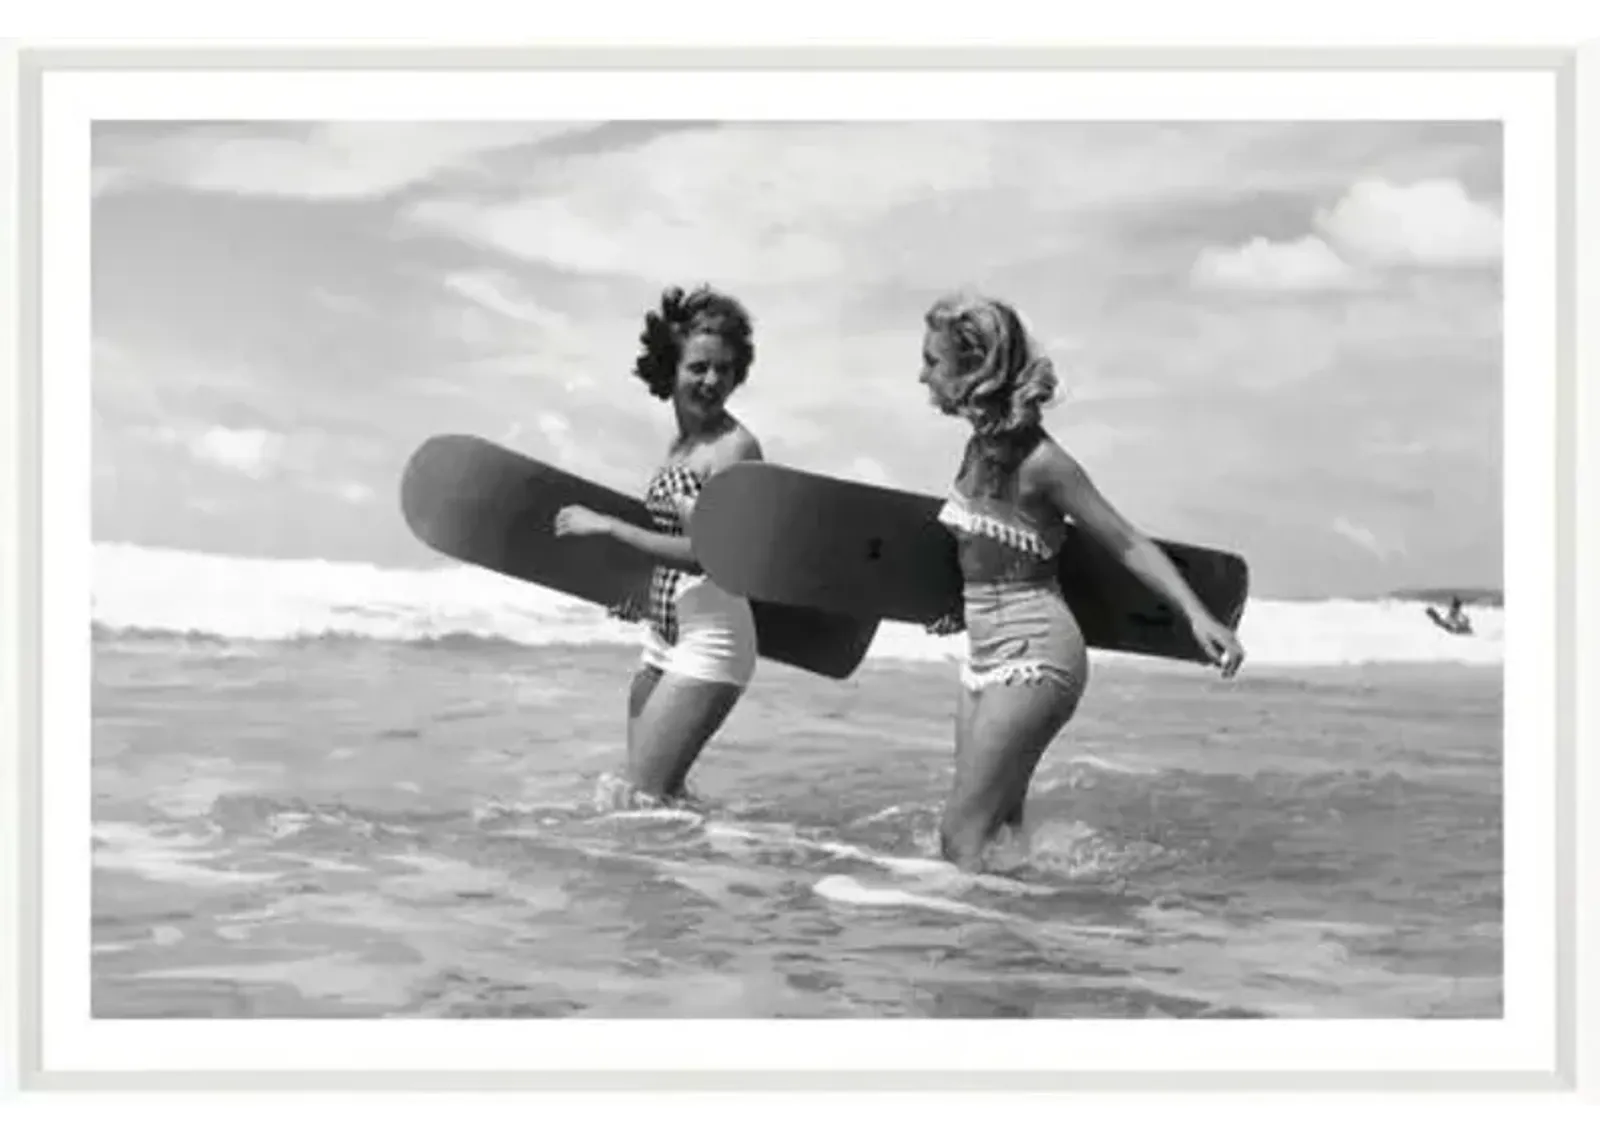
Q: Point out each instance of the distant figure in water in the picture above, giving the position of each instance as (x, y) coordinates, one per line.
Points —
(1455, 620)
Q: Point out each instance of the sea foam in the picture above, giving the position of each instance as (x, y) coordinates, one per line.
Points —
(165, 591)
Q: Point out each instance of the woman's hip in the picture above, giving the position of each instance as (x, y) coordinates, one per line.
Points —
(711, 634)
(1023, 634)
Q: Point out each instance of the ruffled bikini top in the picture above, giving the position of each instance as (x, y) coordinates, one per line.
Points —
(999, 541)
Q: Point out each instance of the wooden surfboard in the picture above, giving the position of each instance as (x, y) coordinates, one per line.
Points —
(483, 504)
(766, 531)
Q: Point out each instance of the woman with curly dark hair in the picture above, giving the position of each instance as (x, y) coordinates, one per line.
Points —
(700, 642)
(1027, 664)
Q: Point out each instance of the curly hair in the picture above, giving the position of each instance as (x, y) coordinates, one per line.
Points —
(1001, 380)
(680, 317)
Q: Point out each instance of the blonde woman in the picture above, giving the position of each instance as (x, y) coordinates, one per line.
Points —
(1016, 487)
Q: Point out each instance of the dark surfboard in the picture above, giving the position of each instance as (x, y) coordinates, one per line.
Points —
(766, 531)
(486, 505)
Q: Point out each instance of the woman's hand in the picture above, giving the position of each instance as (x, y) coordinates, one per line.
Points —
(574, 520)
(1221, 645)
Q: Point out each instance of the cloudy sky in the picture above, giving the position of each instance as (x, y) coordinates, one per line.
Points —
(1283, 339)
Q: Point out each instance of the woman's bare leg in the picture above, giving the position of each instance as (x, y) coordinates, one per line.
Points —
(1009, 728)
(676, 717)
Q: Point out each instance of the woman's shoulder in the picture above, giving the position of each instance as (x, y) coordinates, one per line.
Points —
(733, 444)
(1048, 460)
(1046, 473)
(736, 444)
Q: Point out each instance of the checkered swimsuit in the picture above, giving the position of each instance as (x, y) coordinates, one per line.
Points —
(669, 487)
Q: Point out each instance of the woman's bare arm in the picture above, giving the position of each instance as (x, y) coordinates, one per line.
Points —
(1075, 495)
(669, 551)
(677, 551)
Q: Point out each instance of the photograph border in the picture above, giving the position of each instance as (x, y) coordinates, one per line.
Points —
(25, 74)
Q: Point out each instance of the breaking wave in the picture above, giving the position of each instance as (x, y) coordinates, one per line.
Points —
(148, 592)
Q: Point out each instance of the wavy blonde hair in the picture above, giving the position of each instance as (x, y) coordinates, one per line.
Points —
(1001, 381)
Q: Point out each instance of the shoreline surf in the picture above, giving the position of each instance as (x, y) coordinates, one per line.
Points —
(145, 592)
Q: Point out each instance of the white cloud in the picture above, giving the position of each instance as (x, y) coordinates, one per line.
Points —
(1429, 223)
(651, 240)
(1305, 264)
(1366, 539)
(782, 203)
(550, 438)
(508, 331)
(745, 205)
(253, 452)
(354, 493)
(499, 293)
(326, 161)
(554, 426)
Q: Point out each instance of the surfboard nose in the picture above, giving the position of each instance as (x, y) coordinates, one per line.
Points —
(441, 481)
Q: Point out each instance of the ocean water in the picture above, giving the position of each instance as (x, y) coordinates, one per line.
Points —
(341, 791)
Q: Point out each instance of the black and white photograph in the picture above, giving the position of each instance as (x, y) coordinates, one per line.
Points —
(889, 560)
(507, 745)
